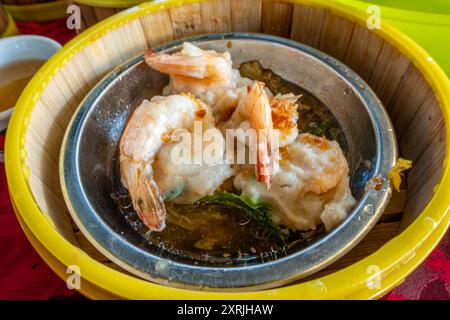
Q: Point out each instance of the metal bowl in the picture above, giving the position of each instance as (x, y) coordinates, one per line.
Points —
(90, 144)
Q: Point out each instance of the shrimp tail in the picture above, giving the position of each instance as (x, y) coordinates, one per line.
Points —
(188, 66)
(261, 120)
(145, 194)
(264, 164)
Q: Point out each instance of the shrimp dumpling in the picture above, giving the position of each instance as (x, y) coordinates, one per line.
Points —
(309, 187)
(207, 74)
(188, 181)
(148, 135)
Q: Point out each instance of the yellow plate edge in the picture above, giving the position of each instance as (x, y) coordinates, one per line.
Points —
(46, 11)
(395, 259)
(11, 28)
(110, 3)
(87, 289)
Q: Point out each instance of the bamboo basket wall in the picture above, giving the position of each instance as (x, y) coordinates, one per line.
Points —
(96, 11)
(410, 100)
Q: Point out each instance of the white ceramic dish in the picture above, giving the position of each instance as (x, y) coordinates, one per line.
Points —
(23, 47)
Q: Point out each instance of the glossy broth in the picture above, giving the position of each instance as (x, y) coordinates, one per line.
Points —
(13, 79)
(221, 236)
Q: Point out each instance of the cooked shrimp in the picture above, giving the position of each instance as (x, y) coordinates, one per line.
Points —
(254, 112)
(146, 131)
(285, 117)
(321, 159)
(310, 187)
(261, 120)
(144, 193)
(206, 74)
(193, 66)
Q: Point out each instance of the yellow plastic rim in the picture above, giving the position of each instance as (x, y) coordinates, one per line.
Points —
(110, 3)
(395, 260)
(11, 28)
(403, 14)
(88, 290)
(46, 11)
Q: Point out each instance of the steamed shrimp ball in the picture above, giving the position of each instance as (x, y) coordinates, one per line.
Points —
(310, 187)
(207, 74)
(187, 182)
(147, 133)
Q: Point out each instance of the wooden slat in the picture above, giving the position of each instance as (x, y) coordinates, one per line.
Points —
(246, 15)
(82, 81)
(103, 13)
(88, 17)
(307, 25)
(363, 51)
(54, 208)
(216, 16)
(422, 129)
(157, 28)
(91, 15)
(394, 209)
(114, 266)
(424, 176)
(429, 162)
(126, 42)
(335, 36)
(87, 247)
(387, 72)
(419, 198)
(379, 235)
(186, 20)
(96, 56)
(404, 106)
(277, 18)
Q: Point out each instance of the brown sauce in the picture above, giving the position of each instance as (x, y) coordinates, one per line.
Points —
(14, 78)
(212, 235)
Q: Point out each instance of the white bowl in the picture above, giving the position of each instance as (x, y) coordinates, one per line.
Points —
(24, 47)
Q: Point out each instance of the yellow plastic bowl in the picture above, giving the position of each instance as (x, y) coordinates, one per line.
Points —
(46, 11)
(11, 28)
(88, 289)
(396, 259)
(110, 3)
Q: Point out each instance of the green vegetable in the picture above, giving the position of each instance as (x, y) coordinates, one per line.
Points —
(317, 129)
(258, 211)
(174, 193)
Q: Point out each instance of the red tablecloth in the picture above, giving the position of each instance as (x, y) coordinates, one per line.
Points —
(23, 274)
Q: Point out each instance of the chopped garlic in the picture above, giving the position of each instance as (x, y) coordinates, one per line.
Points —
(395, 175)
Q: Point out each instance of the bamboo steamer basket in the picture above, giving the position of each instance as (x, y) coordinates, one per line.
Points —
(7, 25)
(432, 6)
(93, 11)
(36, 10)
(411, 85)
(425, 21)
(88, 289)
